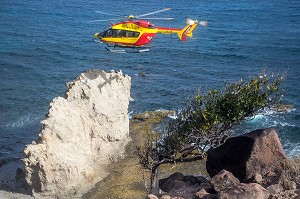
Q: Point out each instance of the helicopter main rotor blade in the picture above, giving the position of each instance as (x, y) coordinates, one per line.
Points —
(151, 13)
(158, 18)
(106, 20)
(107, 13)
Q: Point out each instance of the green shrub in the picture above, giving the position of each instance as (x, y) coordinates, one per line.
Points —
(207, 118)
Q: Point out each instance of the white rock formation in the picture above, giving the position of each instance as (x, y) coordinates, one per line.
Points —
(82, 132)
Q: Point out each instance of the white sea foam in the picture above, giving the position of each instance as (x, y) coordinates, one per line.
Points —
(22, 121)
(283, 124)
(270, 118)
(131, 99)
(258, 117)
(172, 116)
(130, 115)
(293, 150)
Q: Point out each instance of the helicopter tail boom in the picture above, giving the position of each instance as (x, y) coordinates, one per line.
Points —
(185, 32)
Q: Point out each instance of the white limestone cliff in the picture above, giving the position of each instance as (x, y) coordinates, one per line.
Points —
(82, 132)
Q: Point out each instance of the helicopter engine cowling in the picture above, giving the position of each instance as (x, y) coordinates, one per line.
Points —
(145, 24)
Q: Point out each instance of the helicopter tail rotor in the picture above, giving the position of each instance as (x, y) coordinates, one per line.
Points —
(203, 23)
(187, 31)
(192, 22)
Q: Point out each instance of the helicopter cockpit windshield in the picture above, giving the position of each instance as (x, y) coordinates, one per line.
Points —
(103, 33)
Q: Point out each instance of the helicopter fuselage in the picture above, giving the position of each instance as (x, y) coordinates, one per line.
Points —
(132, 33)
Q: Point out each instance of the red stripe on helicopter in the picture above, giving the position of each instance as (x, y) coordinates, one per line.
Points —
(145, 39)
(168, 29)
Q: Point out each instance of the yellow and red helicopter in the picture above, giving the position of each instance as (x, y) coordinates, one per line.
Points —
(135, 32)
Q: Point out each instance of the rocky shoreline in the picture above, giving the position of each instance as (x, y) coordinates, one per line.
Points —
(87, 149)
(127, 179)
(261, 172)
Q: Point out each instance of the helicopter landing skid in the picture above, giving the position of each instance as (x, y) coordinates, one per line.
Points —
(127, 51)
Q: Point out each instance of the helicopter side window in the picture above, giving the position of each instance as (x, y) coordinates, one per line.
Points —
(129, 34)
(118, 33)
(114, 33)
(122, 33)
(132, 34)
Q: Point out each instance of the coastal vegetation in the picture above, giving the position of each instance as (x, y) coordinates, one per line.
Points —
(127, 178)
(207, 119)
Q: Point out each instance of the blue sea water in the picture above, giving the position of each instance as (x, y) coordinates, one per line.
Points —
(45, 44)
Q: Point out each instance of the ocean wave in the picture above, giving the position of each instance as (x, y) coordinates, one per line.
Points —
(292, 149)
(131, 99)
(172, 116)
(21, 122)
(283, 124)
(270, 120)
(130, 115)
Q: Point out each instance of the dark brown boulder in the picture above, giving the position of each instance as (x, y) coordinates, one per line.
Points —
(287, 194)
(223, 180)
(257, 152)
(151, 196)
(245, 191)
(202, 194)
(167, 184)
(275, 189)
(192, 180)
